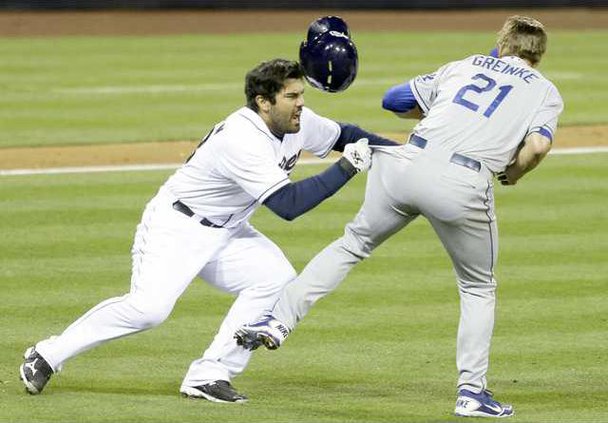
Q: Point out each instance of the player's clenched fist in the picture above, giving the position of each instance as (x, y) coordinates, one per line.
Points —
(358, 155)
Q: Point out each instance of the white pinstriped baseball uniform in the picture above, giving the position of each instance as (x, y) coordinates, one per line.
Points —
(239, 165)
(477, 111)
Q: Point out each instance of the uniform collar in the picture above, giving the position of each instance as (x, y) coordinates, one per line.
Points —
(517, 59)
(258, 122)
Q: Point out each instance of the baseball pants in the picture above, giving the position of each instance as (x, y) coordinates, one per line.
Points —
(403, 183)
(169, 251)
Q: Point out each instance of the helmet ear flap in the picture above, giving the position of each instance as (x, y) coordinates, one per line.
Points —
(330, 61)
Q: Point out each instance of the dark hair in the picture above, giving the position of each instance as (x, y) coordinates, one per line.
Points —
(268, 78)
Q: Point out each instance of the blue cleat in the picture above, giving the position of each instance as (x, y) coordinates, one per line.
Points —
(267, 331)
(470, 404)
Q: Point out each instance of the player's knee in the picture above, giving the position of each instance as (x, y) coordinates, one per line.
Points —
(149, 314)
(154, 318)
(279, 279)
(355, 244)
(477, 287)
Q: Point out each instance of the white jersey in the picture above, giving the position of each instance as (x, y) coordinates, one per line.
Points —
(483, 107)
(240, 163)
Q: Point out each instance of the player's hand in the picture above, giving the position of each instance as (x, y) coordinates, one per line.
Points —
(359, 155)
(504, 179)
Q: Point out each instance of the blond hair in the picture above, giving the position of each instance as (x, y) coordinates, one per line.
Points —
(523, 37)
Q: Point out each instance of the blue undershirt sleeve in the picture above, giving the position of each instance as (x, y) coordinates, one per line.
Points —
(352, 133)
(399, 98)
(296, 198)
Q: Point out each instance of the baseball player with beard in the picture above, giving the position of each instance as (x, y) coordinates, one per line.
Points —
(483, 117)
(198, 224)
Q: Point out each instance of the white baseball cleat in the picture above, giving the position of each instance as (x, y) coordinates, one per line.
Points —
(470, 404)
(267, 331)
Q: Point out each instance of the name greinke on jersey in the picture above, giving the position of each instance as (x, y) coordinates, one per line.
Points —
(497, 65)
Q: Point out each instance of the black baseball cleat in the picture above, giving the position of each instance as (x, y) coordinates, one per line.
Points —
(35, 371)
(217, 391)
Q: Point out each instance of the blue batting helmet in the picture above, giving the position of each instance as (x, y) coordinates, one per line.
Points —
(330, 61)
(326, 24)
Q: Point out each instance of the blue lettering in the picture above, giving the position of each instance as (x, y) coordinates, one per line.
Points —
(486, 63)
(520, 72)
(288, 164)
(531, 77)
(510, 69)
(500, 66)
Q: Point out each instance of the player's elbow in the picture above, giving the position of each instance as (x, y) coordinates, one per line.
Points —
(538, 146)
(285, 215)
(280, 206)
(541, 148)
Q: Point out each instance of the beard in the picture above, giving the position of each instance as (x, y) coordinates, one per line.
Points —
(285, 124)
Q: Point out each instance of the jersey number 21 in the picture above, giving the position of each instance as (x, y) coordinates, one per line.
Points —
(488, 86)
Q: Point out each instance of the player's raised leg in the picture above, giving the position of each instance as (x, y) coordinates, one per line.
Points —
(376, 221)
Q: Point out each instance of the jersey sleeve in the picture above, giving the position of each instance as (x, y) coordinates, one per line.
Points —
(545, 119)
(250, 163)
(399, 99)
(319, 133)
(424, 87)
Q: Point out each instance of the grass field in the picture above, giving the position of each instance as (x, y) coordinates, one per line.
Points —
(87, 90)
(379, 349)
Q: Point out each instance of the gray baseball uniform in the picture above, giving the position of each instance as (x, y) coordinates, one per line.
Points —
(477, 112)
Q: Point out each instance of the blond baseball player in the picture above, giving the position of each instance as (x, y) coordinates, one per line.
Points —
(483, 117)
(198, 224)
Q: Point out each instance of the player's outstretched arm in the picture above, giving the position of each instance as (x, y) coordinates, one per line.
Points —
(350, 133)
(535, 149)
(296, 198)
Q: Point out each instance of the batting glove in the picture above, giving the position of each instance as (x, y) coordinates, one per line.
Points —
(358, 155)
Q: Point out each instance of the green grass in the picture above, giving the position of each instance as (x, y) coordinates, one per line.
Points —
(379, 349)
(87, 90)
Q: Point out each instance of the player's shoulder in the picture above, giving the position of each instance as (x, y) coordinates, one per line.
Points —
(552, 92)
(550, 84)
(553, 96)
(246, 122)
(244, 129)
(309, 114)
(310, 121)
(471, 58)
(244, 119)
(313, 124)
(436, 75)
